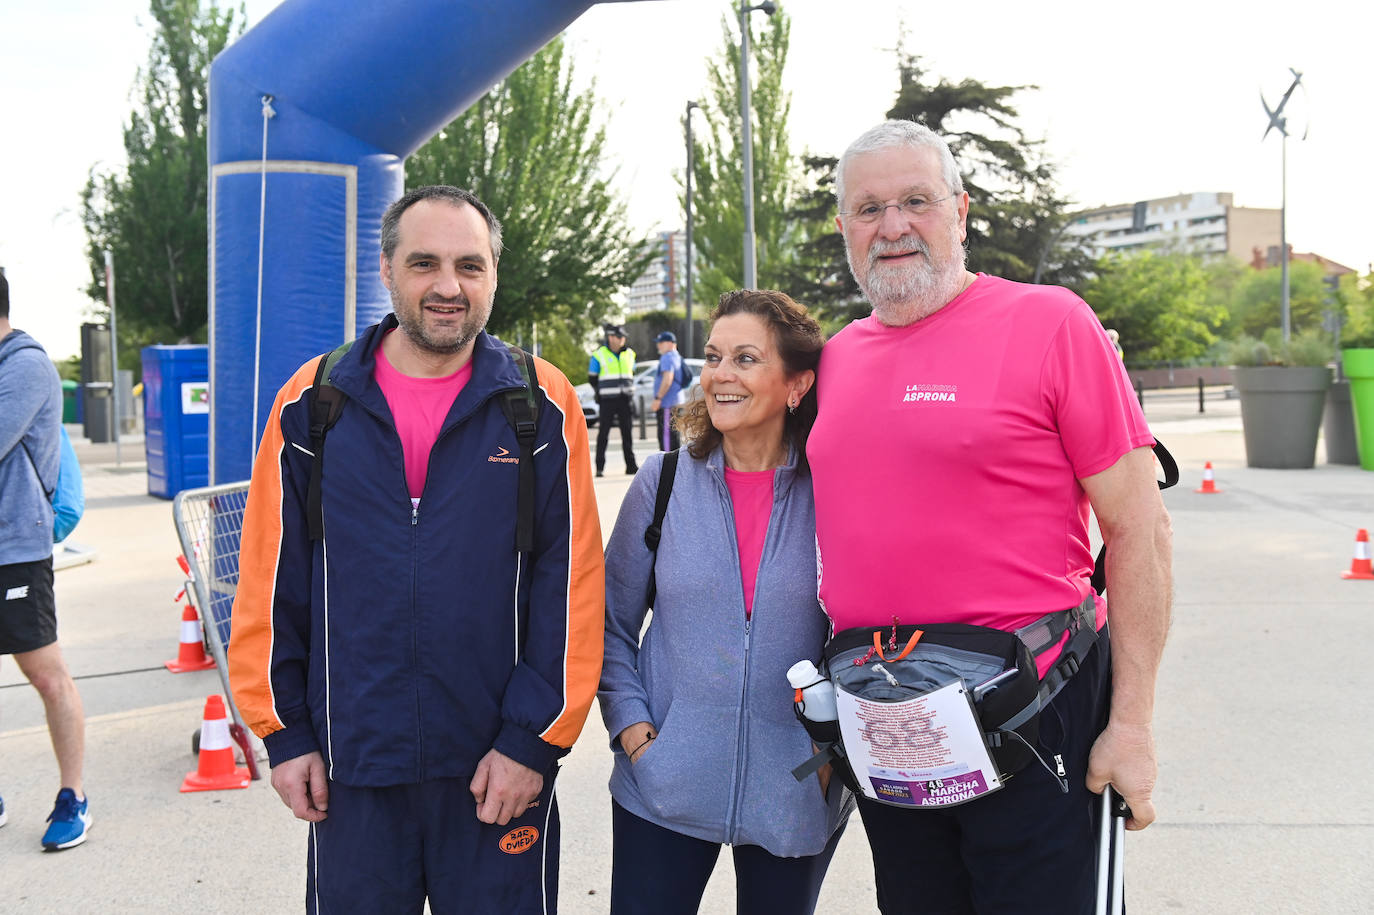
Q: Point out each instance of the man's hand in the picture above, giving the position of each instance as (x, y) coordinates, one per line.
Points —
(301, 784)
(1124, 756)
(654, 405)
(503, 788)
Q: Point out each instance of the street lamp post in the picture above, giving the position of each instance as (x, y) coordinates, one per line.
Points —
(114, 351)
(687, 340)
(746, 134)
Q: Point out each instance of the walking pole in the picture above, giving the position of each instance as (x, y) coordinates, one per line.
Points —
(1111, 853)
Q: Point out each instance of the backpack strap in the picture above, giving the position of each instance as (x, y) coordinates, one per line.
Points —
(521, 407)
(326, 404)
(47, 493)
(654, 532)
(1170, 466)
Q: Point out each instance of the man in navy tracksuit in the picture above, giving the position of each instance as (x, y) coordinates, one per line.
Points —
(414, 677)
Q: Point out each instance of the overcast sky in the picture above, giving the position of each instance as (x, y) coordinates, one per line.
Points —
(1135, 101)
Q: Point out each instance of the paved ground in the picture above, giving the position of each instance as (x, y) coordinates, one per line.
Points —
(1263, 727)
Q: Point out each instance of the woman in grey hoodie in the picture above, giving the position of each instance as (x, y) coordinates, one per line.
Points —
(700, 711)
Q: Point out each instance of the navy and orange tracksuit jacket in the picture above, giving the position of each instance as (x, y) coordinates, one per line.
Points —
(408, 643)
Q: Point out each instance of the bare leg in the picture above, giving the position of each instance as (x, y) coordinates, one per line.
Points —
(47, 671)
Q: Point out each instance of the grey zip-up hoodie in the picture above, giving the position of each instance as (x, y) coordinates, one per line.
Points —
(713, 685)
(30, 414)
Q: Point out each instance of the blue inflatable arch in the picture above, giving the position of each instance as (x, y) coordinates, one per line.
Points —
(312, 113)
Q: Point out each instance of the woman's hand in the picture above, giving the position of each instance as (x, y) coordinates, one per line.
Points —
(635, 739)
(824, 773)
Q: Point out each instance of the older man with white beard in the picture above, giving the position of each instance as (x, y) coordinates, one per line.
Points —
(965, 430)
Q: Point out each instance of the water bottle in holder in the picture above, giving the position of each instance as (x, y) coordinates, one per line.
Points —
(814, 693)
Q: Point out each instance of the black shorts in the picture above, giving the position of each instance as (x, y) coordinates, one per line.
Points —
(28, 610)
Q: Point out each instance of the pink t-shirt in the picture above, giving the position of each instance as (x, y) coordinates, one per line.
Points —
(751, 496)
(947, 455)
(419, 406)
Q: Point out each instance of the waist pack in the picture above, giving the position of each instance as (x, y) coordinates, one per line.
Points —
(996, 669)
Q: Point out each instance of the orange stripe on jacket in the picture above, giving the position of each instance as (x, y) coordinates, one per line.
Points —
(586, 594)
(250, 660)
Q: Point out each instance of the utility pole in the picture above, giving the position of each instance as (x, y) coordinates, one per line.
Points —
(746, 134)
(1279, 120)
(687, 337)
(114, 350)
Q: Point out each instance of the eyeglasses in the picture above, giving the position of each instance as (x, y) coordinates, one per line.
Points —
(913, 207)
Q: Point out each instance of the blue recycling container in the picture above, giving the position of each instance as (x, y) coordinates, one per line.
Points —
(176, 420)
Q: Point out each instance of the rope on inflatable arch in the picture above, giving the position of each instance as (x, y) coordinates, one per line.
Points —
(267, 114)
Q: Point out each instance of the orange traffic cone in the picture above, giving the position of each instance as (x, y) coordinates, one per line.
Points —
(215, 769)
(191, 653)
(1360, 565)
(1208, 480)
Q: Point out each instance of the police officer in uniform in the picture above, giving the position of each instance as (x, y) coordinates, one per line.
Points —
(612, 374)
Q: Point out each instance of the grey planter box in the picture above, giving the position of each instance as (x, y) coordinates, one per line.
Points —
(1338, 426)
(1281, 412)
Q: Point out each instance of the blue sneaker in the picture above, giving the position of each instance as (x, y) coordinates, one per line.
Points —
(69, 821)
(2, 811)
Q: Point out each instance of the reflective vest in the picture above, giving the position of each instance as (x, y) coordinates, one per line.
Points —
(616, 373)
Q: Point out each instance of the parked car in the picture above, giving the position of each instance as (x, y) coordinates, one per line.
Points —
(591, 411)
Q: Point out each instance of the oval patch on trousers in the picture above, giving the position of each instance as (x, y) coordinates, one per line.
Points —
(519, 840)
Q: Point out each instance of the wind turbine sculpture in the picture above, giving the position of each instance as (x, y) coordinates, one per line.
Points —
(1277, 119)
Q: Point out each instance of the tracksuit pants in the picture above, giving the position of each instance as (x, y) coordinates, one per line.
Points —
(667, 435)
(1026, 848)
(387, 850)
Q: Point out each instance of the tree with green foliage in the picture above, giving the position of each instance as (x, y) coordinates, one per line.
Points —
(718, 173)
(1256, 303)
(1016, 215)
(532, 150)
(1355, 298)
(151, 213)
(1158, 302)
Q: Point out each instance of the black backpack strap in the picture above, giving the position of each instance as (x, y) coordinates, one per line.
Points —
(326, 404)
(654, 532)
(1170, 467)
(521, 407)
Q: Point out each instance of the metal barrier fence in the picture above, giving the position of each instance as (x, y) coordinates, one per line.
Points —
(209, 523)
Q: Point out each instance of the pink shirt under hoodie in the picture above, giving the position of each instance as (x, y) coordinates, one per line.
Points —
(947, 456)
(419, 407)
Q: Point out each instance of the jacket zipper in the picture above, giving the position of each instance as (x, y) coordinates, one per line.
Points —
(741, 729)
(742, 743)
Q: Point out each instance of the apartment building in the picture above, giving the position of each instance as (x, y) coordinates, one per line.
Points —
(1208, 223)
(663, 281)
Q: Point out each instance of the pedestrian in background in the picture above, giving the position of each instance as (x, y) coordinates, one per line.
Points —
(612, 374)
(668, 389)
(30, 439)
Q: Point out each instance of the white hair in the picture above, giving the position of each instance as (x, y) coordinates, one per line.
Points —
(894, 133)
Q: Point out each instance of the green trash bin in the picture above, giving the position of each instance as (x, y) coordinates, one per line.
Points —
(69, 395)
(1359, 368)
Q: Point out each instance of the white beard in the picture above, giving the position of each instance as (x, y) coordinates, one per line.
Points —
(902, 295)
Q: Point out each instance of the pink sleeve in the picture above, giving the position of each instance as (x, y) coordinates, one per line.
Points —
(1091, 396)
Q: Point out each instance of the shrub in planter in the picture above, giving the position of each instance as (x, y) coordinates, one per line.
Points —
(1282, 392)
